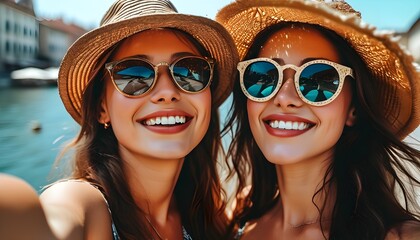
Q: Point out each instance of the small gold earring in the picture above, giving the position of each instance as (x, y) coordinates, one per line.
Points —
(106, 125)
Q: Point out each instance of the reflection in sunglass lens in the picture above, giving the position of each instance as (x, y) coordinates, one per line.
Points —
(192, 74)
(318, 82)
(260, 79)
(133, 77)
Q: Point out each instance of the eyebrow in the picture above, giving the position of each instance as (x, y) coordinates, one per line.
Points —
(303, 61)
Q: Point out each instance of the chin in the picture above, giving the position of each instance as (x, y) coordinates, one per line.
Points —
(169, 151)
(283, 158)
(171, 155)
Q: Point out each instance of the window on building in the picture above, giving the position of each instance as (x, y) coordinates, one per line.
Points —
(7, 26)
(7, 47)
(15, 48)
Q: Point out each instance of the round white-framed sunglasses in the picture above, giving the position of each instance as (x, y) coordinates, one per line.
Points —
(317, 82)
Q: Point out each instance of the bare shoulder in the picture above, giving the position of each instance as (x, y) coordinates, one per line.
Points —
(75, 210)
(408, 230)
(78, 194)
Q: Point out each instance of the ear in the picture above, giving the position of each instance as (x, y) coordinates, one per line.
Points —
(351, 117)
(103, 115)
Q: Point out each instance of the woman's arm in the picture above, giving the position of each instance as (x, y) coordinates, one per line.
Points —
(21, 213)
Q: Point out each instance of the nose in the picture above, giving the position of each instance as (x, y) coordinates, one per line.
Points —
(287, 96)
(165, 90)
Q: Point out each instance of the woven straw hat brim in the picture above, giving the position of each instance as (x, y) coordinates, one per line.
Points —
(391, 66)
(82, 56)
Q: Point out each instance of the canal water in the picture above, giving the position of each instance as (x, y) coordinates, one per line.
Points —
(34, 126)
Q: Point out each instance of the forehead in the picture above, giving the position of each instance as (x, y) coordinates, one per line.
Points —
(155, 42)
(292, 44)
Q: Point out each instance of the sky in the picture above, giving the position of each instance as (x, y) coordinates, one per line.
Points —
(397, 15)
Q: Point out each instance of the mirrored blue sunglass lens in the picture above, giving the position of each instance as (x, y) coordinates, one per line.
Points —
(133, 77)
(260, 79)
(192, 74)
(318, 82)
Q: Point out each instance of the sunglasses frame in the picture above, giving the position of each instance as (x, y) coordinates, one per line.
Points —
(110, 67)
(343, 72)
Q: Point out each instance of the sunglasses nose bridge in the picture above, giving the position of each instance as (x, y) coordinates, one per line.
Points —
(288, 71)
(165, 88)
(162, 64)
(156, 67)
(286, 95)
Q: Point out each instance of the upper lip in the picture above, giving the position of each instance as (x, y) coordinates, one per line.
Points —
(165, 113)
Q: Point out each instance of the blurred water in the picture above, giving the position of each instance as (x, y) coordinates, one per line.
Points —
(24, 152)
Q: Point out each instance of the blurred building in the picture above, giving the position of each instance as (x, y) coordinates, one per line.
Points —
(26, 40)
(19, 34)
(411, 39)
(55, 38)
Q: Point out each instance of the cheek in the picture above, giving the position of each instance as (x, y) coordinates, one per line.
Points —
(118, 106)
(254, 110)
(203, 106)
(343, 104)
(335, 114)
(111, 93)
(207, 105)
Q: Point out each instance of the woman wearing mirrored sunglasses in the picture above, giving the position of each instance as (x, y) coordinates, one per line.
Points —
(319, 141)
(145, 87)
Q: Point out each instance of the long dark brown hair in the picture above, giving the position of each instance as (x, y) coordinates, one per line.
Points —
(198, 191)
(370, 164)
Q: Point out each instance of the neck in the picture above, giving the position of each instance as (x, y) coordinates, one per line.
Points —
(297, 185)
(151, 183)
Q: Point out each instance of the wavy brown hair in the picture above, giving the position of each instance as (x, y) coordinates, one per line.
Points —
(370, 164)
(198, 192)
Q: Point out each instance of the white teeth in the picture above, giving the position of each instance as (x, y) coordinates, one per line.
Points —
(282, 124)
(302, 126)
(289, 125)
(274, 124)
(169, 120)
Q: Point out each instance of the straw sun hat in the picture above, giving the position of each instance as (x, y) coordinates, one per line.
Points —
(127, 17)
(392, 69)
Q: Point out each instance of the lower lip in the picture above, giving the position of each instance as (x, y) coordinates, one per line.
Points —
(168, 129)
(284, 132)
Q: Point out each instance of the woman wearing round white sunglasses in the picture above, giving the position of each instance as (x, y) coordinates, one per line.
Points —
(319, 141)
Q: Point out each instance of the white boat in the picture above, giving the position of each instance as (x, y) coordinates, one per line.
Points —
(31, 76)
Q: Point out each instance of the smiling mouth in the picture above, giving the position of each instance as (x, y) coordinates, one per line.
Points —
(166, 121)
(288, 125)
